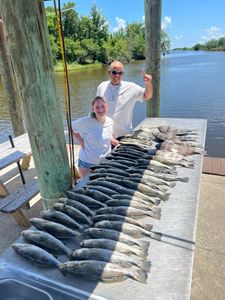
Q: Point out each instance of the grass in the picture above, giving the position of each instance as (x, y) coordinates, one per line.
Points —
(74, 66)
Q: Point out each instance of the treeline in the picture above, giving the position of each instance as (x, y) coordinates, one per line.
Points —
(212, 45)
(88, 40)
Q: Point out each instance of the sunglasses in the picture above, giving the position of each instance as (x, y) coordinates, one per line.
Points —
(117, 73)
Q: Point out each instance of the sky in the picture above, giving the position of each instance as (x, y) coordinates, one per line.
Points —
(187, 22)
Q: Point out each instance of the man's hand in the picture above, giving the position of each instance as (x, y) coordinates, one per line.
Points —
(114, 142)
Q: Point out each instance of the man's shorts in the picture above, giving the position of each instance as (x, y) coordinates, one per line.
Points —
(84, 165)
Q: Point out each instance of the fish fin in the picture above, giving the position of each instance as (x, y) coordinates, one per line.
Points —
(139, 275)
(156, 210)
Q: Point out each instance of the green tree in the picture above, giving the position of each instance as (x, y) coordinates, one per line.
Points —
(165, 42)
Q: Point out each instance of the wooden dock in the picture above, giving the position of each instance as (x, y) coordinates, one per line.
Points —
(214, 166)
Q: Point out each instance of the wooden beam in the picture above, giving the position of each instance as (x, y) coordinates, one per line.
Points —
(3, 190)
(153, 11)
(26, 32)
(10, 88)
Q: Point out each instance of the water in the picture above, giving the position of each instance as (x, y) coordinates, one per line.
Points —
(192, 86)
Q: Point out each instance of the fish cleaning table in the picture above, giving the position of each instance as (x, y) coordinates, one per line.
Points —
(172, 258)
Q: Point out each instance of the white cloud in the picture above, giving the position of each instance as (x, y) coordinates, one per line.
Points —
(178, 37)
(121, 24)
(166, 23)
(213, 32)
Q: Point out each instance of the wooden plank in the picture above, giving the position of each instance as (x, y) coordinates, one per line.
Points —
(21, 219)
(222, 164)
(216, 166)
(20, 197)
(26, 162)
(207, 166)
(3, 190)
(12, 156)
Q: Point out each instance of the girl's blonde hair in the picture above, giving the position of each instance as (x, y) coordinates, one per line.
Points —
(93, 103)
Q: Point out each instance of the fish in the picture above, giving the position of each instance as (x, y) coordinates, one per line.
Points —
(153, 179)
(153, 163)
(103, 233)
(112, 245)
(73, 213)
(128, 211)
(123, 190)
(103, 189)
(60, 217)
(172, 146)
(112, 217)
(113, 171)
(121, 160)
(150, 201)
(36, 255)
(97, 195)
(81, 207)
(160, 136)
(129, 229)
(175, 131)
(46, 241)
(84, 199)
(132, 203)
(172, 158)
(106, 255)
(102, 175)
(104, 271)
(56, 229)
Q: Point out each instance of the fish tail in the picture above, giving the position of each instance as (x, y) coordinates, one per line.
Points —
(171, 184)
(147, 227)
(155, 236)
(183, 179)
(165, 197)
(153, 214)
(145, 265)
(144, 246)
(139, 275)
(156, 210)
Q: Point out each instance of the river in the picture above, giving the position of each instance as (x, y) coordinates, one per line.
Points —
(192, 86)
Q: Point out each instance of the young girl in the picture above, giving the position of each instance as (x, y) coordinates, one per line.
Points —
(94, 134)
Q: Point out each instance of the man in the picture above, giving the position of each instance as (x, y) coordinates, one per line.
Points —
(121, 97)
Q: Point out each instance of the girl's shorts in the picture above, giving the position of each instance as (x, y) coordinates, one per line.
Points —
(85, 165)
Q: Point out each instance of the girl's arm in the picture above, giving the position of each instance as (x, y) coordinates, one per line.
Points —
(79, 138)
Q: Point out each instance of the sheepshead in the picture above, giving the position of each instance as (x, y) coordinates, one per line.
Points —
(175, 131)
(103, 233)
(172, 146)
(172, 158)
(56, 229)
(81, 207)
(112, 245)
(106, 255)
(128, 211)
(84, 199)
(132, 203)
(128, 229)
(73, 213)
(46, 241)
(153, 179)
(99, 270)
(112, 217)
(60, 217)
(36, 255)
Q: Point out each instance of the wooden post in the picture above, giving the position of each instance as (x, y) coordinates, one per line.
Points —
(28, 44)
(153, 11)
(11, 91)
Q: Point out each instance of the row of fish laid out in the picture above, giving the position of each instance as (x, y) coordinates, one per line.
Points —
(103, 217)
